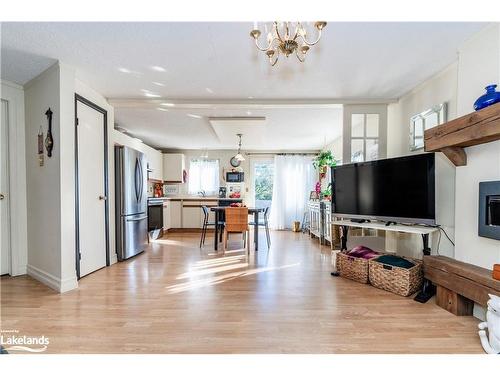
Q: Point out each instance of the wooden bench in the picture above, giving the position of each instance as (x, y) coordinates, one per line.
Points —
(459, 284)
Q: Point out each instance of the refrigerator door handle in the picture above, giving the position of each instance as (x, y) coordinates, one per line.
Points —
(137, 180)
(137, 219)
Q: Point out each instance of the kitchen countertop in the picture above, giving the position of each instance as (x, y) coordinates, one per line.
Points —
(194, 198)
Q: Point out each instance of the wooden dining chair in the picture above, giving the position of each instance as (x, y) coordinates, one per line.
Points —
(237, 222)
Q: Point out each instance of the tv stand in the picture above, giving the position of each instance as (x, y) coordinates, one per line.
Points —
(428, 290)
(360, 221)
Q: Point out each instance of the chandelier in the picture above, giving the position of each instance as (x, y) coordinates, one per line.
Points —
(239, 155)
(286, 38)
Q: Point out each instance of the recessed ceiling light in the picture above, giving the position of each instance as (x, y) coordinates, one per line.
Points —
(124, 70)
(249, 113)
(158, 84)
(158, 68)
(209, 90)
(162, 109)
(250, 97)
(194, 116)
(168, 104)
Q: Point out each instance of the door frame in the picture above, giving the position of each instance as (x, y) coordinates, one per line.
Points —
(81, 99)
(5, 143)
(18, 253)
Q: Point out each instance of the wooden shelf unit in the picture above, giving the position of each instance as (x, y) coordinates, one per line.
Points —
(451, 138)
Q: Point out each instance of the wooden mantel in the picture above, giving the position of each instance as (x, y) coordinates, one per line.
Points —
(473, 129)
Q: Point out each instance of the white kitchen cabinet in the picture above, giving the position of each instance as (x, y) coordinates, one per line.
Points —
(173, 167)
(175, 214)
(191, 215)
(155, 163)
(167, 224)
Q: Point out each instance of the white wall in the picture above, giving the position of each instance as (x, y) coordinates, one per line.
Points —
(478, 66)
(50, 237)
(440, 88)
(14, 95)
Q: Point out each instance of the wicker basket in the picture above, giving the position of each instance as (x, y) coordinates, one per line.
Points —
(402, 281)
(352, 268)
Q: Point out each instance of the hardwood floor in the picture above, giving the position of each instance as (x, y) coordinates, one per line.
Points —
(176, 298)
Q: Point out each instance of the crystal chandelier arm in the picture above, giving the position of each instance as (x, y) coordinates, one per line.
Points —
(298, 56)
(263, 48)
(311, 43)
(273, 63)
(280, 39)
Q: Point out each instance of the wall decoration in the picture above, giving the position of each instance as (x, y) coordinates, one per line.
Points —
(425, 120)
(49, 141)
(40, 146)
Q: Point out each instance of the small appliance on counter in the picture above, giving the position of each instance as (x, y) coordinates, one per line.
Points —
(235, 190)
(222, 192)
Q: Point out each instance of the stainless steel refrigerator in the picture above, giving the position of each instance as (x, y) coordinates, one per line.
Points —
(131, 202)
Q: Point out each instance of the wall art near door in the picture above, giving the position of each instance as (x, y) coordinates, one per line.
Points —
(49, 141)
(40, 147)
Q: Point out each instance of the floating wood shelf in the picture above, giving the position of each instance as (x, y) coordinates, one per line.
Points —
(473, 129)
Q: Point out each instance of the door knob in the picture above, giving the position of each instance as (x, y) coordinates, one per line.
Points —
(2, 197)
(102, 197)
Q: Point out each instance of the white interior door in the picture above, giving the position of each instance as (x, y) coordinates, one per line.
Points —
(4, 191)
(92, 234)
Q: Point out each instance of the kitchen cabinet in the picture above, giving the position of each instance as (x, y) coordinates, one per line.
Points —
(155, 163)
(173, 167)
(191, 215)
(167, 224)
(175, 214)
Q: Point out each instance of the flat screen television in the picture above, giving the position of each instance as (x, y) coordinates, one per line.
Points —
(400, 189)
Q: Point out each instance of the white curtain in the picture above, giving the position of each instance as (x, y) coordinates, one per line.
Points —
(294, 178)
(204, 175)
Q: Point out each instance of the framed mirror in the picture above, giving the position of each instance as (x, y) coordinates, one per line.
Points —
(425, 120)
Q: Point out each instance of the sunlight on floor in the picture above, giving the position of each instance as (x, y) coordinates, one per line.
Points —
(190, 285)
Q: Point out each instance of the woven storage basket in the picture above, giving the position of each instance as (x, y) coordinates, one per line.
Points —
(352, 268)
(402, 281)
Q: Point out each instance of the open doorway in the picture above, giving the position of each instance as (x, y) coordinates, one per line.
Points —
(262, 182)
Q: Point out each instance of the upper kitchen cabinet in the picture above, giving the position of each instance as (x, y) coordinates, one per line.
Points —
(155, 164)
(173, 167)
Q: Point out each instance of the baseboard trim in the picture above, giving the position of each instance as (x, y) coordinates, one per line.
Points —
(52, 281)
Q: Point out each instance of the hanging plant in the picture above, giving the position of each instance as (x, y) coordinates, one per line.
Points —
(323, 160)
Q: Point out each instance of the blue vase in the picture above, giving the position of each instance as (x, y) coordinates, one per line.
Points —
(491, 97)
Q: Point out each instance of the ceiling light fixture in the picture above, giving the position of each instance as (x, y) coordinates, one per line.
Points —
(151, 95)
(282, 40)
(239, 155)
(168, 104)
(194, 116)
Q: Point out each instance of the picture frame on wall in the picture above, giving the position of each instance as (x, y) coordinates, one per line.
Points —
(422, 121)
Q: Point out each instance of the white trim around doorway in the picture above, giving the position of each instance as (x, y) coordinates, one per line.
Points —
(14, 95)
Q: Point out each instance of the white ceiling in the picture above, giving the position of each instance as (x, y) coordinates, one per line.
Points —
(218, 62)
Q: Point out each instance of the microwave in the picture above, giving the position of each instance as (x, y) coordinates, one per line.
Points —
(235, 177)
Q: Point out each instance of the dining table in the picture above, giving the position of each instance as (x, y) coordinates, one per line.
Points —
(251, 211)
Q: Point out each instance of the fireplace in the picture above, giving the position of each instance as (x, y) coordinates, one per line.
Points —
(489, 209)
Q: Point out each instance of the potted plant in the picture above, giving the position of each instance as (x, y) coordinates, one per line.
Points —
(324, 160)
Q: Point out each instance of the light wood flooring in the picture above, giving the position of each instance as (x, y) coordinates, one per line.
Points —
(177, 298)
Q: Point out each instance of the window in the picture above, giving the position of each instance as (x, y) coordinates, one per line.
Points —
(263, 172)
(364, 136)
(204, 175)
